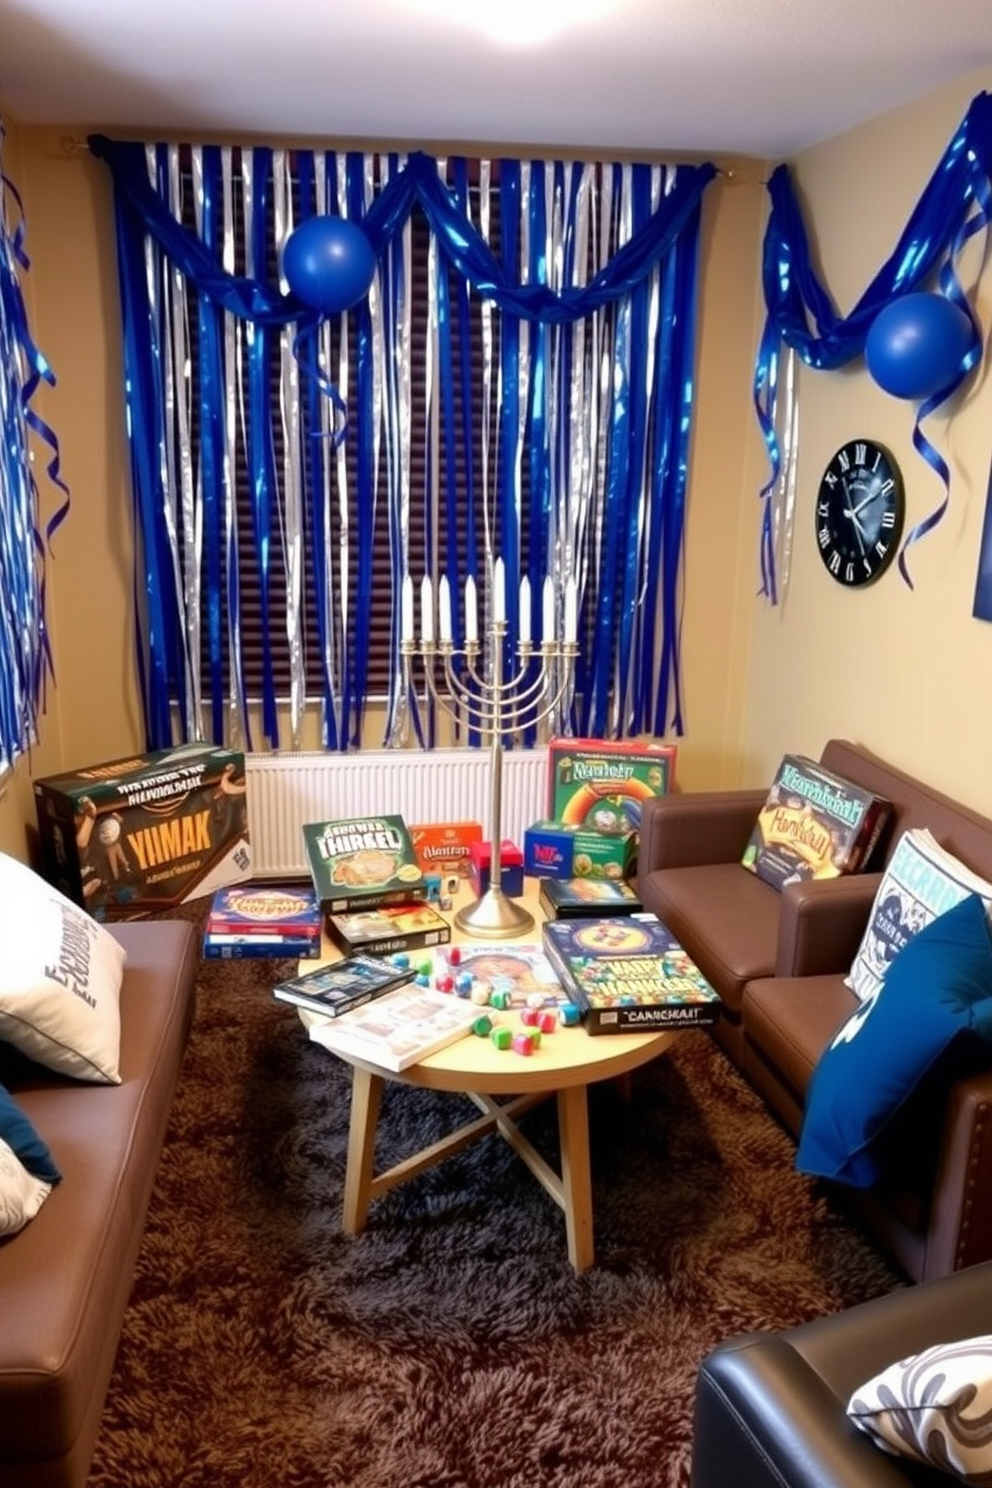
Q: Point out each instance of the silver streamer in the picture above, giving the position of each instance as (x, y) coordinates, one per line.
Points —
(232, 383)
(161, 351)
(783, 496)
(291, 506)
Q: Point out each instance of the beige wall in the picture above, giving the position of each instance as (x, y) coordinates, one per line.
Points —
(907, 673)
(901, 672)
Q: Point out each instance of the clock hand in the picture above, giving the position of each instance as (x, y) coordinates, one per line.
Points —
(864, 502)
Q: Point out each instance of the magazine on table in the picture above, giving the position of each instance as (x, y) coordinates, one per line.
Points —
(398, 1029)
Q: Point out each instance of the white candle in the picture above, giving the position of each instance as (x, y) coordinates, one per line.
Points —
(444, 607)
(499, 590)
(571, 610)
(548, 625)
(525, 611)
(406, 609)
(426, 610)
(471, 612)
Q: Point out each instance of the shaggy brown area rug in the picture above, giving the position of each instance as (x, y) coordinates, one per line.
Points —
(451, 1345)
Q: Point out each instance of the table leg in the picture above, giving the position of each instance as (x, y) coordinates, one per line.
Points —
(573, 1135)
(366, 1098)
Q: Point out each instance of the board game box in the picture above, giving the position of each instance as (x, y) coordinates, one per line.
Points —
(145, 833)
(814, 824)
(584, 898)
(231, 946)
(363, 862)
(554, 849)
(336, 988)
(628, 974)
(602, 784)
(265, 909)
(393, 927)
(445, 847)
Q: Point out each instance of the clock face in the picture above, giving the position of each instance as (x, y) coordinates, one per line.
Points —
(859, 513)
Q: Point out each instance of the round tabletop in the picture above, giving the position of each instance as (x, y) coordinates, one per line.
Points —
(567, 1057)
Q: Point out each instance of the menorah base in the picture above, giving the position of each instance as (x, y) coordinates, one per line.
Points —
(494, 917)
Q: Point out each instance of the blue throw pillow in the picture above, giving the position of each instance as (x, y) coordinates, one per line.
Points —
(19, 1134)
(937, 988)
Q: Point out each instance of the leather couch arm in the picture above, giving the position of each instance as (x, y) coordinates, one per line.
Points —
(687, 830)
(821, 922)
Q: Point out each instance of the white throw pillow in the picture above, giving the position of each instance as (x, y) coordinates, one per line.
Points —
(21, 1194)
(60, 979)
(934, 1407)
(921, 881)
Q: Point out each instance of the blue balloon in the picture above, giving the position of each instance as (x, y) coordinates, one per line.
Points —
(915, 345)
(328, 263)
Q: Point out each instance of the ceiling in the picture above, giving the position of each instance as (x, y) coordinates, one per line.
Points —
(754, 77)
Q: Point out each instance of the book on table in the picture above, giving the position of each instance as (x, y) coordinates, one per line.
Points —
(572, 898)
(398, 1029)
(363, 862)
(391, 928)
(628, 974)
(340, 986)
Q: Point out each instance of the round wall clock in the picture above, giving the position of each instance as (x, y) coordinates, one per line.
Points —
(860, 511)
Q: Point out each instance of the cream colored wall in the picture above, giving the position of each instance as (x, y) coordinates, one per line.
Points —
(906, 673)
(93, 712)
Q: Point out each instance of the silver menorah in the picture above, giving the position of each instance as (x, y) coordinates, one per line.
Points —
(482, 695)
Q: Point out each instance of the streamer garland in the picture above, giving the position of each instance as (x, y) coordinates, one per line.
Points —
(575, 341)
(25, 649)
(954, 205)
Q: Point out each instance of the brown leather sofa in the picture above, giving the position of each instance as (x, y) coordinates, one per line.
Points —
(770, 1407)
(65, 1278)
(778, 961)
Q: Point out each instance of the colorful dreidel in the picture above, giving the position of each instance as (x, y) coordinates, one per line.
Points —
(501, 1037)
(529, 1017)
(483, 1025)
(522, 1043)
(548, 1021)
(569, 1015)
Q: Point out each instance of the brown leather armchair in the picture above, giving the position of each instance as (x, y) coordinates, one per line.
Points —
(778, 961)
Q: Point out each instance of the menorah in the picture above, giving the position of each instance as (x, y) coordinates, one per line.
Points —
(492, 701)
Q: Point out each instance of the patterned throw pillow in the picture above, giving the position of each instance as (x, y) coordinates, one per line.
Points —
(935, 1407)
(27, 1171)
(60, 979)
(921, 881)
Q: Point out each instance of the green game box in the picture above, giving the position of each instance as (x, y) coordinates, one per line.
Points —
(363, 862)
(601, 784)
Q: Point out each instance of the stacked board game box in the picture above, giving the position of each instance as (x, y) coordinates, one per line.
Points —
(392, 928)
(363, 862)
(585, 898)
(263, 920)
(141, 834)
(814, 824)
(445, 847)
(628, 974)
(601, 784)
(342, 986)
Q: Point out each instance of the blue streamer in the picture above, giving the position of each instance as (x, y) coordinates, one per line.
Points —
(801, 313)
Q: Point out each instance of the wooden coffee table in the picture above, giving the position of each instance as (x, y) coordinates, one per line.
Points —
(503, 1085)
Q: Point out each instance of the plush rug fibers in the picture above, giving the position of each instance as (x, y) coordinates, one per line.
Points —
(451, 1345)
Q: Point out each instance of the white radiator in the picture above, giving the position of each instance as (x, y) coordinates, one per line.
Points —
(436, 785)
